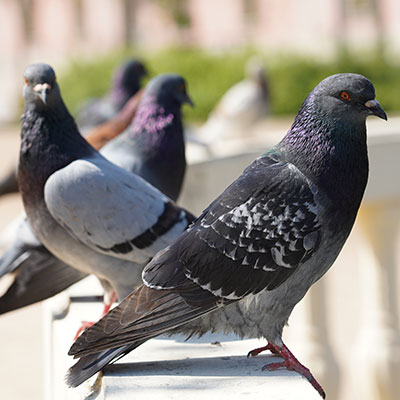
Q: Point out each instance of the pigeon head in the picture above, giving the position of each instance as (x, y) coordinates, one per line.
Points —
(346, 96)
(130, 74)
(328, 139)
(126, 81)
(168, 89)
(41, 89)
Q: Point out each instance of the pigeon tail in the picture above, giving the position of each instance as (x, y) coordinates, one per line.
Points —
(89, 365)
(146, 313)
(38, 277)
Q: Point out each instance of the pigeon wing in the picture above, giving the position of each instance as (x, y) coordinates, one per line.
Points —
(112, 210)
(252, 237)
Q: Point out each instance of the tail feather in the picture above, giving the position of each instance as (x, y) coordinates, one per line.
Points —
(39, 275)
(89, 365)
(142, 315)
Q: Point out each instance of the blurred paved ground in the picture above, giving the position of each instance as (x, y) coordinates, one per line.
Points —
(21, 347)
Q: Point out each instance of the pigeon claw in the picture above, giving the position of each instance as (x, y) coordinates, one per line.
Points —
(256, 352)
(291, 363)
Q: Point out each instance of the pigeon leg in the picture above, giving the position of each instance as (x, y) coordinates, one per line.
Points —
(290, 362)
(256, 352)
(106, 309)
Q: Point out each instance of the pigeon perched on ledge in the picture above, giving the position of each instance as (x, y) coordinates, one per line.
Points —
(31, 261)
(88, 212)
(254, 252)
(126, 82)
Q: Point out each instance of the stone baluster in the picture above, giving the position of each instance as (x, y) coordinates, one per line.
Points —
(376, 362)
(309, 335)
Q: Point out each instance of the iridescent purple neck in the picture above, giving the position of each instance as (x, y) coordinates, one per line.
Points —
(331, 152)
(151, 117)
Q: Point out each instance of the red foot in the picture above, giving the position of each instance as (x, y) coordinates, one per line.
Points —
(256, 352)
(290, 362)
(106, 309)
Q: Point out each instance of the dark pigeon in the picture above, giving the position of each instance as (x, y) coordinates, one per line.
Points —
(126, 82)
(29, 257)
(255, 251)
(88, 212)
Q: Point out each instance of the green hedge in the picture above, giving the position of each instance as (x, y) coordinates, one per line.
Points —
(209, 75)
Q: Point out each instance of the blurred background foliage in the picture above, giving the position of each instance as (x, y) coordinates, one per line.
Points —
(209, 75)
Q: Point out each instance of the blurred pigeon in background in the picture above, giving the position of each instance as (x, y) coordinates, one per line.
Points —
(126, 82)
(30, 259)
(255, 251)
(241, 107)
(77, 202)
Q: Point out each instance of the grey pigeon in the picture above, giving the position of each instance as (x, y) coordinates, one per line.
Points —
(88, 212)
(28, 257)
(126, 82)
(254, 252)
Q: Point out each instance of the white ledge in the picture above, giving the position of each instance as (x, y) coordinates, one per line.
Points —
(168, 367)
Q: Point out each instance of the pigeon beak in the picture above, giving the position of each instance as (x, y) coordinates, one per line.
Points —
(375, 109)
(42, 89)
(186, 99)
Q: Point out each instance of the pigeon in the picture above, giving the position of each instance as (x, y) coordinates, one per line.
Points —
(252, 255)
(88, 212)
(28, 256)
(241, 107)
(126, 82)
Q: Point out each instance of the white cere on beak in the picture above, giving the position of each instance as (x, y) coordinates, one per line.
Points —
(41, 87)
(372, 104)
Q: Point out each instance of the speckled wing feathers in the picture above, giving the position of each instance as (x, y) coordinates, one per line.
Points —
(251, 238)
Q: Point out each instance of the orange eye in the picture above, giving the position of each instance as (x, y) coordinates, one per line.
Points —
(182, 88)
(345, 96)
(26, 81)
